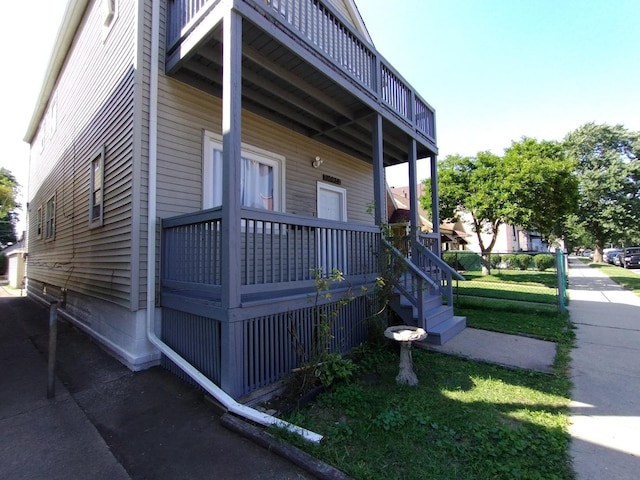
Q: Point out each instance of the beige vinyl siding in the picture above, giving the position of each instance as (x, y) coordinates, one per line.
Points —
(94, 104)
(185, 112)
(341, 6)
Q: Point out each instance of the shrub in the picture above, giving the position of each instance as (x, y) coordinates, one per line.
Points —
(451, 259)
(510, 261)
(544, 261)
(495, 260)
(524, 261)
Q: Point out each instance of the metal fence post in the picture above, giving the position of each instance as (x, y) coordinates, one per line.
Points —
(53, 341)
(561, 279)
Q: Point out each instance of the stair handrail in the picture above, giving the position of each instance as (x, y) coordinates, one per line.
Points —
(414, 294)
(410, 264)
(439, 262)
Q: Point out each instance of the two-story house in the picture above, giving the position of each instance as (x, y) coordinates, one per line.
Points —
(194, 165)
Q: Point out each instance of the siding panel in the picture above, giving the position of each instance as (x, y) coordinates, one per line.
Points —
(93, 100)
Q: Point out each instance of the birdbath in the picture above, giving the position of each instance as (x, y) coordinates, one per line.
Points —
(406, 335)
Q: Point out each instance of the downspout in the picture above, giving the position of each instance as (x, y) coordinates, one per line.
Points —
(220, 395)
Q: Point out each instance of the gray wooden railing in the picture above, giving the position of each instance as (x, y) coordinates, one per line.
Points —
(278, 250)
(437, 269)
(323, 27)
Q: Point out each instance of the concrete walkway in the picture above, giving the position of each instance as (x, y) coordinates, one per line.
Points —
(106, 422)
(605, 411)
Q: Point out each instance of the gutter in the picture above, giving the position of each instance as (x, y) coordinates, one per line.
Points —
(220, 395)
(71, 20)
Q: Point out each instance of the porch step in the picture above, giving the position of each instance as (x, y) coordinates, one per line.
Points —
(440, 322)
(445, 331)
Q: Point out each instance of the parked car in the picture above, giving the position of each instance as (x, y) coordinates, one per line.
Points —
(609, 254)
(631, 257)
(617, 260)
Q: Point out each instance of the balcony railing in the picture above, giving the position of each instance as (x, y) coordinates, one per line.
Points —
(322, 27)
(278, 251)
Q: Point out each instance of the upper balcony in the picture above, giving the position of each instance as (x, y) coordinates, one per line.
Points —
(306, 67)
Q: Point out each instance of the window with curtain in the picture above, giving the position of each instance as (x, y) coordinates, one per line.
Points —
(261, 176)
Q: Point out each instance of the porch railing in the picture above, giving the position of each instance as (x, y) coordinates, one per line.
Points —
(437, 269)
(320, 25)
(278, 251)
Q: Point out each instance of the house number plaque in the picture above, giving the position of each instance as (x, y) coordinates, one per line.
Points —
(330, 179)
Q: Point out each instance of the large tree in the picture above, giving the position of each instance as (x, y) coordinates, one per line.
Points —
(608, 167)
(531, 186)
(9, 205)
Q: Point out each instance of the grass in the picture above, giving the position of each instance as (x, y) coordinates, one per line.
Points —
(515, 285)
(465, 419)
(622, 276)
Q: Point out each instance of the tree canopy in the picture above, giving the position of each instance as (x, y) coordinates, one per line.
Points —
(531, 186)
(608, 168)
(9, 190)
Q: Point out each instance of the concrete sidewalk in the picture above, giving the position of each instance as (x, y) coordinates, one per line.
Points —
(105, 421)
(605, 370)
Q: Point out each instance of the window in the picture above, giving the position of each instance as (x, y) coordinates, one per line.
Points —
(96, 189)
(109, 11)
(262, 176)
(109, 15)
(50, 218)
(39, 223)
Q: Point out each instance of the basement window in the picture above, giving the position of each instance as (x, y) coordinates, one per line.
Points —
(96, 189)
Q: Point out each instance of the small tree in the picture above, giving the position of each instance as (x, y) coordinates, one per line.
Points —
(9, 190)
(608, 168)
(532, 186)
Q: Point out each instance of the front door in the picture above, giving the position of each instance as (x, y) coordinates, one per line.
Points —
(332, 245)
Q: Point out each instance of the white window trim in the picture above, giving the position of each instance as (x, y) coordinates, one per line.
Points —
(39, 218)
(50, 219)
(108, 14)
(214, 141)
(99, 220)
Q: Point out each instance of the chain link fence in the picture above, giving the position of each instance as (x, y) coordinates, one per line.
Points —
(538, 279)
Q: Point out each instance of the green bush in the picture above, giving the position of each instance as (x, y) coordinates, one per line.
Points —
(495, 260)
(517, 261)
(524, 261)
(510, 261)
(543, 261)
(450, 259)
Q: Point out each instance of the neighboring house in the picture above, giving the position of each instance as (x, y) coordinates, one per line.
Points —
(452, 235)
(509, 238)
(16, 263)
(194, 162)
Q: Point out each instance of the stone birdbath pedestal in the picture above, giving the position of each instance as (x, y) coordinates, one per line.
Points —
(406, 335)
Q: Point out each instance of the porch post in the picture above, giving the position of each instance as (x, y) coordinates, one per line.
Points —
(435, 206)
(413, 189)
(231, 350)
(379, 190)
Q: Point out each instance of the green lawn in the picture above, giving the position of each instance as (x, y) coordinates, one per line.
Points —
(465, 419)
(624, 277)
(523, 286)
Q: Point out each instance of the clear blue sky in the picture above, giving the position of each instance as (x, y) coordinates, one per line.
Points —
(495, 70)
(498, 70)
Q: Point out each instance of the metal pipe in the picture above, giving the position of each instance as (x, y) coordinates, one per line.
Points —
(53, 342)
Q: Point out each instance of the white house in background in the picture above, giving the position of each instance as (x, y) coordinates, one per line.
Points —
(16, 263)
(509, 238)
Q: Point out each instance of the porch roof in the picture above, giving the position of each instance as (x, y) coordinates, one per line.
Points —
(293, 74)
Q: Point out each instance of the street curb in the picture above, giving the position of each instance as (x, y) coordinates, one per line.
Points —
(316, 467)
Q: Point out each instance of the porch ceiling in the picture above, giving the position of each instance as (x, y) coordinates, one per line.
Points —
(281, 86)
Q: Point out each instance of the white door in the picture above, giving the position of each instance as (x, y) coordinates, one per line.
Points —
(332, 245)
